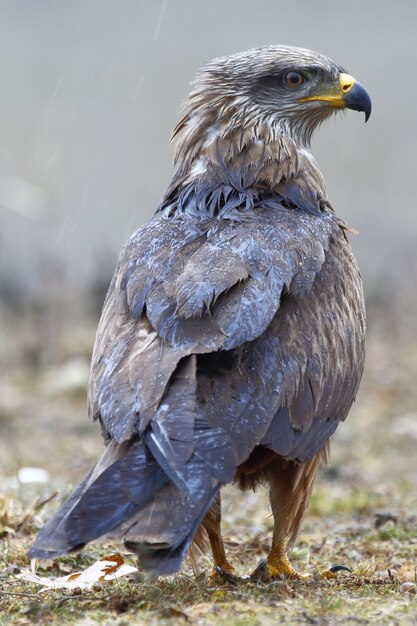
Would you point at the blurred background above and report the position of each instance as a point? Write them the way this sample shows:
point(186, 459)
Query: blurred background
point(89, 93)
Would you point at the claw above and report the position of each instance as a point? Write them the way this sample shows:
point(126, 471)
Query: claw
point(228, 577)
point(332, 571)
point(340, 568)
point(224, 574)
point(258, 573)
point(265, 572)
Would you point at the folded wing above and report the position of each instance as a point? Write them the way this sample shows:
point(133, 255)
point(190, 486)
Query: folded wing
point(196, 362)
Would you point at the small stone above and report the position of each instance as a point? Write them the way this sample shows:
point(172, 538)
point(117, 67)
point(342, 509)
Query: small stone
point(32, 475)
point(384, 517)
point(408, 587)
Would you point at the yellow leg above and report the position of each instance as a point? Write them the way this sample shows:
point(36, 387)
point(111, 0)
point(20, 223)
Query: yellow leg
point(212, 525)
point(277, 566)
point(290, 489)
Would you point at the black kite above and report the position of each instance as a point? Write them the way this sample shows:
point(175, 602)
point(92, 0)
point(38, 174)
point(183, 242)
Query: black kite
point(231, 342)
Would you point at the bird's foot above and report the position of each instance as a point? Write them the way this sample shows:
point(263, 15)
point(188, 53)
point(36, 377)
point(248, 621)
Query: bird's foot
point(223, 573)
point(331, 573)
point(277, 569)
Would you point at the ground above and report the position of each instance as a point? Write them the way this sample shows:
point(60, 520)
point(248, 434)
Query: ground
point(363, 512)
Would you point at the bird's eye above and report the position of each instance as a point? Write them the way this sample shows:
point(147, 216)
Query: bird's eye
point(294, 80)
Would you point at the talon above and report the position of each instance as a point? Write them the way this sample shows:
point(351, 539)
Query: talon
point(331, 573)
point(264, 574)
point(225, 574)
point(282, 569)
point(340, 568)
point(260, 573)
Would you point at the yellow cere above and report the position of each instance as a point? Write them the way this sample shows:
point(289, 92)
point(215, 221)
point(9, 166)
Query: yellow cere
point(335, 96)
point(346, 82)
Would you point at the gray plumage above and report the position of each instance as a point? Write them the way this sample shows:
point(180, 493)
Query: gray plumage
point(235, 318)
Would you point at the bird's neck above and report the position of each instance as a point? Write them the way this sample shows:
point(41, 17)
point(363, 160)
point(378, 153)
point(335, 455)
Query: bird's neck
point(261, 157)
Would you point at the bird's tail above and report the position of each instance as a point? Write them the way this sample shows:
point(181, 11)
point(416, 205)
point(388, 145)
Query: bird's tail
point(162, 532)
point(133, 494)
point(152, 491)
point(121, 483)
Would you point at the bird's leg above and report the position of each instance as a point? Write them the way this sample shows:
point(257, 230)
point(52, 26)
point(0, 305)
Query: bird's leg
point(290, 489)
point(212, 525)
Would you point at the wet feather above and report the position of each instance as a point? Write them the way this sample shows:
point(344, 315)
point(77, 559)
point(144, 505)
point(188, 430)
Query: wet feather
point(231, 342)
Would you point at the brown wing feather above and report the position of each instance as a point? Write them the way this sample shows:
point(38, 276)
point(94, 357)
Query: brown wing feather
point(156, 313)
point(290, 387)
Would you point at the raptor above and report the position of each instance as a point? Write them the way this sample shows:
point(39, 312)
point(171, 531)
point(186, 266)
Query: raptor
point(231, 342)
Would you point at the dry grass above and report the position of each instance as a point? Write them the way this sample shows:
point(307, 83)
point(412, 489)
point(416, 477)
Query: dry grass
point(374, 470)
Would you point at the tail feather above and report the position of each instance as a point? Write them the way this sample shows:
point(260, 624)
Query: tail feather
point(163, 530)
point(120, 484)
point(153, 491)
point(165, 558)
point(52, 539)
point(133, 494)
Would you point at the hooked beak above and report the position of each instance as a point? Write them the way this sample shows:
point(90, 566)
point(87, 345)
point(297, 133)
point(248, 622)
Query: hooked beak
point(357, 98)
point(348, 94)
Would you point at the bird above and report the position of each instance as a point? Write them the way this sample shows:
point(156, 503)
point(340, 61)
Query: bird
point(232, 338)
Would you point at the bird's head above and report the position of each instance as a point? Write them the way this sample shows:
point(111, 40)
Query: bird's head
point(250, 117)
point(285, 89)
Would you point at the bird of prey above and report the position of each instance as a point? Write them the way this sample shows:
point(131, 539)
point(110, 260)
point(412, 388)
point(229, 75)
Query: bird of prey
point(231, 342)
